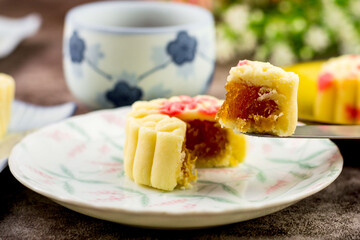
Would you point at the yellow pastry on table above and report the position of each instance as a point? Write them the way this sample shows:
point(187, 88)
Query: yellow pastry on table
point(167, 138)
point(7, 90)
point(308, 73)
point(260, 98)
point(338, 95)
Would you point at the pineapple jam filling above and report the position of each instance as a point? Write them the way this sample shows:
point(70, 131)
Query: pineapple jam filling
point(246, 102)
point(205, 139)
point(188, 171)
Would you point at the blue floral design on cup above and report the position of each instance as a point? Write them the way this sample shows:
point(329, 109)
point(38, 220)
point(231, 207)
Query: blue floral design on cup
point(123, 94)
point(182, 49)
point(77, 48)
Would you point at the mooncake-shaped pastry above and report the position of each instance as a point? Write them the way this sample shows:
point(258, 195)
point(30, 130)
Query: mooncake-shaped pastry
point(167, 138)
point(7, 89)
point(338, 95)
point(260, 98)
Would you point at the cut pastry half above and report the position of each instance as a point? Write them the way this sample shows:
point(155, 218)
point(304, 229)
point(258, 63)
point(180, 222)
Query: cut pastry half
point(260, 98)
point(166, 139)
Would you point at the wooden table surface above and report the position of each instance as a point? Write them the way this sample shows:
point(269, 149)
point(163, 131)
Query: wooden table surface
point(36, 65)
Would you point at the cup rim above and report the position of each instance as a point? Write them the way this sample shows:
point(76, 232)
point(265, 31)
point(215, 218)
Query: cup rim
point(206, 18)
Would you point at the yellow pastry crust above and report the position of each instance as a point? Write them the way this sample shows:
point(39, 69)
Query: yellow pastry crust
point(7, 91)
point(154, 150)
point(338, 95)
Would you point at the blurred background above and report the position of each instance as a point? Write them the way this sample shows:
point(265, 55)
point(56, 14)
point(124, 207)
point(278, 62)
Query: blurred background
point(283, 32)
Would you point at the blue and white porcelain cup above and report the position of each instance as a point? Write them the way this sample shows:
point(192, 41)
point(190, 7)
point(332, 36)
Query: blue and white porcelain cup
point(117, 52)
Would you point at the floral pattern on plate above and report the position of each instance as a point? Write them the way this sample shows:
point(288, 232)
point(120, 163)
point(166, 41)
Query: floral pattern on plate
point(25, 118)
point(78, 163)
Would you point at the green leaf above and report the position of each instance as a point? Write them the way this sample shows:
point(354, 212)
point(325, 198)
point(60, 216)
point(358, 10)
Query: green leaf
point(299, 163)
point(112, 142)
point(313, 155)
point(278, 160)
point(218, 199)
point(260, 200)
point(225, 187)
point(144, 197)
point(78, 129)
point(121, 173)
point(230, 190)
point(144, 200)
point(70, 175)
point(260, 176)
point(309, 184)
point(302, 176)
point(307, 166)
point(117, 159)
point(68, 188)
point(66, 171)
point(91, 181)
point(54, 173)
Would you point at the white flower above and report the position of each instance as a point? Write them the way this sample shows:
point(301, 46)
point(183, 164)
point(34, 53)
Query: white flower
point(229, 47)
point(275, 27)
point(282, 55)
point(225, 50)
point(261, 53)
point(317, 38)
point(298, 25)
point(247, 43)
point(225, 47)
point(256, 16)
point(237, 17)
point(354, 7)
point(340, 23)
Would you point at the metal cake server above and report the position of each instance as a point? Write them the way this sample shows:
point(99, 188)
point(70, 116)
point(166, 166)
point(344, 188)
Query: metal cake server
point(320, 131)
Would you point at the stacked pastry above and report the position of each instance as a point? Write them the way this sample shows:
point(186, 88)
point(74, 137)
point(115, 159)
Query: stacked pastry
point(338, 96)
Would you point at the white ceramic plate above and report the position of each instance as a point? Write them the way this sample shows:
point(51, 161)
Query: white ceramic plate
point(78, 163)
point(25, 118)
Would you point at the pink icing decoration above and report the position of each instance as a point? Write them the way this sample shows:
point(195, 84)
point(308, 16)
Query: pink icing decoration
point(352, 112)
point(242, 62)
point(279, 184)
point(209, 111)
point(186, 103)
point(325, 81)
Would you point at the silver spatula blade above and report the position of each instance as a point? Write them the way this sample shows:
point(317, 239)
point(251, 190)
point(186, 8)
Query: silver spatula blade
point(320, 131)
